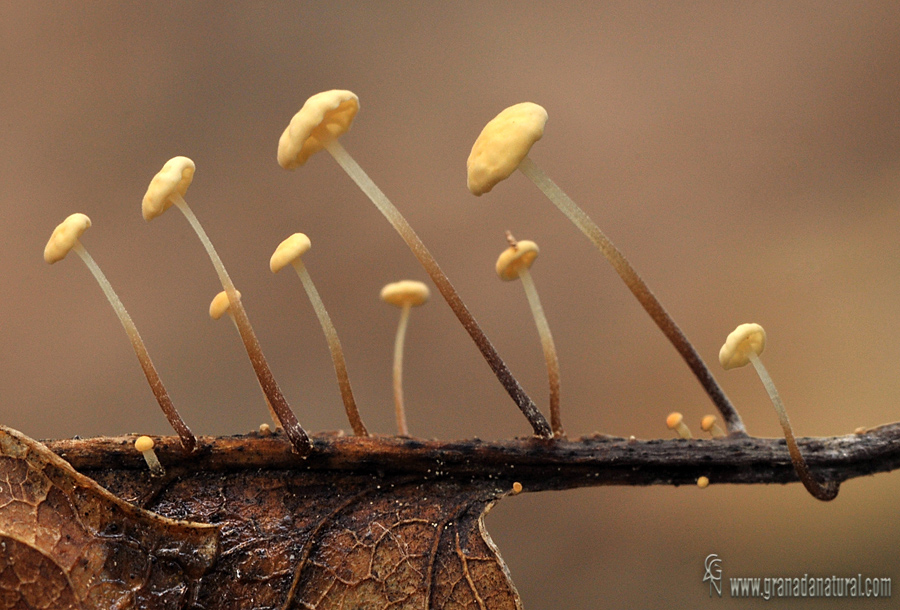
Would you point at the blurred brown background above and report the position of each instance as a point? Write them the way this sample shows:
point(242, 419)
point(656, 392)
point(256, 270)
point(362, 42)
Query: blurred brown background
point(744, 156)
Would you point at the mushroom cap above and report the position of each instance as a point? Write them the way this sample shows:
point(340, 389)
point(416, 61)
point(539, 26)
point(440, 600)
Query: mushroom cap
point(703, 482)
point(288, 251)
point(174, 178)
point(742, 340)
point(405, 292)
point(707, 423)
point(65, 236)
point(502, 145)
point(220, 304)
point(324, 117)
point(515, 258)
point(674, 419)
point(143, 443)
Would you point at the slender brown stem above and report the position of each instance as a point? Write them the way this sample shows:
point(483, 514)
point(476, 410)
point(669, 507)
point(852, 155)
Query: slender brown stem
point(826, 492)
point(334, 345)
point(640, 290)
point(549, 348)
point(516, 392)
point(188, 441)
point(295, 432)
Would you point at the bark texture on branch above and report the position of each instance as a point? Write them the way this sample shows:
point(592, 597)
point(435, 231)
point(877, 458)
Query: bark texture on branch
point(539, 464)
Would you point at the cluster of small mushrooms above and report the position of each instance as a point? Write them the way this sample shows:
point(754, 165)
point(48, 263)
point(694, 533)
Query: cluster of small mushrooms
point(502, 147)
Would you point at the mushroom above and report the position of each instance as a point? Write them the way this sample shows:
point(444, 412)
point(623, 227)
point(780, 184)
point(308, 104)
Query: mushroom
point(322, 119)
point(500, 149)
point(168, 188)
point(404, 294)
point(703, 482)
point(744, 345)
point(65, 237)
point(218, 307)
point(515, 263)
point(290, 251)
point(144, 444)
point(708, 424)
point(675, 421)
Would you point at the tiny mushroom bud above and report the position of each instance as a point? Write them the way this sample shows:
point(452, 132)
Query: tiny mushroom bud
point(743, 346)
point(517, 488)
point(515, 263)
point(168, 188)
point(65, 238)
point(501, 148)
point(144, 444)
point(708, 424)
point(290, 251)
point(675, 421)
point(322, 119)
point(404, 294)
point(703, 482)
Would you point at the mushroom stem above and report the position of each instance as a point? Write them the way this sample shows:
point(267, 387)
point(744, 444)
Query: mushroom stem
point(334, 345)
point(295, 432)
point(512, 386)
point(821, 492)
point(399, 340)
point(640, 290)
point(552, 360)
point(215, 312)
point(188, 441)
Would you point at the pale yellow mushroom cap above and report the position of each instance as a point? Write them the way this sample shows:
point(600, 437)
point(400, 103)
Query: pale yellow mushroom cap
point(324, 117)
point(143, 443)
point(288, 251)
point(502, 145)
point(703, 482)
point(515, 258)
point(64, 237)
point(405, 291)
point(674, 419)
point(707, 422)
point(220, 305)
point(174, 178)
point(742, 340)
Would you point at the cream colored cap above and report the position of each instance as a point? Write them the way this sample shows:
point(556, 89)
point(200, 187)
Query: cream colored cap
point(515, 258)
point(674, 419)
point(405, 292)
point(143, 443)
point(64, 237)
point(288, 251)
point(325, 116)
point(174, 178)
point(742, 340)
point(502, 145)
point(220, 304)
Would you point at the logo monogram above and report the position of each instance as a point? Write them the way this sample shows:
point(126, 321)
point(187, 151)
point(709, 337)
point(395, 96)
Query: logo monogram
point(713, 574)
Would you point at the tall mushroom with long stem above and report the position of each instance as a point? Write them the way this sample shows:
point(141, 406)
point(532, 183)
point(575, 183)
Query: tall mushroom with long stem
point(515, 263)
point(743, 346)
point(168, 188)
point(404, 294)
point(322, 119)
point(502, 148)
point(65, 238)
point(290, 251)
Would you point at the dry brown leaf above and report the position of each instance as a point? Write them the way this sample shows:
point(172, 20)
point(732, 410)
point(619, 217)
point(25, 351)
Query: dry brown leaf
point(65, 542)
point(289, 538)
